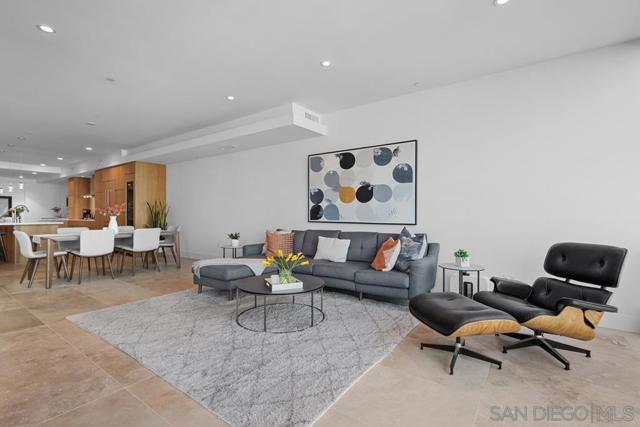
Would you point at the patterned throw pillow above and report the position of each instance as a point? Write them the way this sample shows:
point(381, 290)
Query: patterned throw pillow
point(387, 255)
point(412, 247)
point(279, 240)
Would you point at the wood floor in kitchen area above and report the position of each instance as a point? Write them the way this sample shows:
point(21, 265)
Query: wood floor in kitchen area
point(53, 373)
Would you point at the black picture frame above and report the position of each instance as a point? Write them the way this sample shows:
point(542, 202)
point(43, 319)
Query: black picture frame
point(415, 189)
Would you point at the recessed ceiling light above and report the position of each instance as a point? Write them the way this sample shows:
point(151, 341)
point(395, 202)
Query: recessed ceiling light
point(326, 64)
point(20, 177)
point(88, 148)
point(43, 164)
point(500, 2)
point(46, 28)
point(21, 138)
point(91, 123)
point(60, 158)
point(230, 97)
point(34, 173)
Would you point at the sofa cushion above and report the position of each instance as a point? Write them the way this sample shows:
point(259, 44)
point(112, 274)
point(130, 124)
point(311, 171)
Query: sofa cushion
point(298, 239)
point(382, 237)
point(226, 272)
point(305, 269)
point(390, 279)
point(412, 248)
point(387, 255)
point(363, 245)
point(332, 249)
point(279, 241)
point(310, 243)
point(339, 270)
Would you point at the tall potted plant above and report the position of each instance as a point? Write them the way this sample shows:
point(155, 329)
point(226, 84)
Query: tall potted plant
point(158, 213)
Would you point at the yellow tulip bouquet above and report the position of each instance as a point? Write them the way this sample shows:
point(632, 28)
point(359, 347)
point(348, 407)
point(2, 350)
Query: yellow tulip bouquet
point(285, 264)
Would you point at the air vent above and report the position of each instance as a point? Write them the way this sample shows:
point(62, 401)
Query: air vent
point(311, 117)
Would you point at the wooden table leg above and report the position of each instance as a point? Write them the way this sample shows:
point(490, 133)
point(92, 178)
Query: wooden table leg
point(176, 239)
point(49, 276)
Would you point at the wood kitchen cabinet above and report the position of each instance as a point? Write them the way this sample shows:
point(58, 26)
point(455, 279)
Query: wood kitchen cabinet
point(77, 191)
point(134, 184)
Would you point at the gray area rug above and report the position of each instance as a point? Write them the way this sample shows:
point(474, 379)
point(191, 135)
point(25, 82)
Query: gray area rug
point(253, 378)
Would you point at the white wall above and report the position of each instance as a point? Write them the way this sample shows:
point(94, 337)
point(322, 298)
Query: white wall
point(38, 197)
point(508, 164)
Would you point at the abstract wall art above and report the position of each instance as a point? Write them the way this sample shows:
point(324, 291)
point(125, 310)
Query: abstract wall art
point(368, 185)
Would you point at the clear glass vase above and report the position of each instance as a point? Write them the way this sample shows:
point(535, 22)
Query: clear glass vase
point(286, 276)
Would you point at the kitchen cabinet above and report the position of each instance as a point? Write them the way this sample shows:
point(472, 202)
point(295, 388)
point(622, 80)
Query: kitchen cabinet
point(77, 191)
point(133, 184)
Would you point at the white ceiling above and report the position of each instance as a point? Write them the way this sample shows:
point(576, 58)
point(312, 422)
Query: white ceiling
point(174, 62)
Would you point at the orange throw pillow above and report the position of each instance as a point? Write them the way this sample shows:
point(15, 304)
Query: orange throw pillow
point(277, 240)
point(387, 255)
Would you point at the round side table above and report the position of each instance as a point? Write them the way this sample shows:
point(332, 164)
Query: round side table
point(233, 249)
point(462, 271)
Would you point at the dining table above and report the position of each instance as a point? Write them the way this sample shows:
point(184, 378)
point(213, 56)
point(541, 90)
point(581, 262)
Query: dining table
point(50, 243)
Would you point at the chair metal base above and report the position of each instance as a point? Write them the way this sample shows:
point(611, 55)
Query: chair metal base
point(459, 348)
point(550, 346)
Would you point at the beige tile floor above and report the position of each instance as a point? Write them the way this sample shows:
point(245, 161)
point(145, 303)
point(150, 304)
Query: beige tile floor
point(54, 374)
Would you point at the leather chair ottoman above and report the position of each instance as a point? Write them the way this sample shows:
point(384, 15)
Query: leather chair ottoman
point(454, 315)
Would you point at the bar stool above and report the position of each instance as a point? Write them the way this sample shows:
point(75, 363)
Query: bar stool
point(3, 249)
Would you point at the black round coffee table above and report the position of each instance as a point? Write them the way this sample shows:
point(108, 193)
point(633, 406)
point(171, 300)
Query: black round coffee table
point(257, 286)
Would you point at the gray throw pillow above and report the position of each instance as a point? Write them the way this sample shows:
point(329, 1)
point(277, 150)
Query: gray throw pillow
point(411, 248)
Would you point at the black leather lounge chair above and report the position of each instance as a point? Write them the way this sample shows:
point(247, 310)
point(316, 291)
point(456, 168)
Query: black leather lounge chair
point(561, 307)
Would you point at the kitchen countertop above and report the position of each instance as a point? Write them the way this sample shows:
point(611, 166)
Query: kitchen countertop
point(6, 224)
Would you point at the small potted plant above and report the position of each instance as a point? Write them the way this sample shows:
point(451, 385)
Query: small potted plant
point(235, 239)
point(462, 258)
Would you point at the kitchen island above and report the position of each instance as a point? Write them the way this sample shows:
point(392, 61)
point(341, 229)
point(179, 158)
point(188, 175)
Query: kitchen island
point(11, 244)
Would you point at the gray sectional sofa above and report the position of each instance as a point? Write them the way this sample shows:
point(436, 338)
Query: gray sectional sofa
point(355, 275)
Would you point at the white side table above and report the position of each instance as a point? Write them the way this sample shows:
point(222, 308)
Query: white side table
point(462, 271)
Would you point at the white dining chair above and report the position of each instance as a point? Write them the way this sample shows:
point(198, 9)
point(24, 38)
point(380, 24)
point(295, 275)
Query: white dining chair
point(34, 257)
point(127, 241)
point(145, 241)
point(93, 244)
point(170, 242)
point(69, 246)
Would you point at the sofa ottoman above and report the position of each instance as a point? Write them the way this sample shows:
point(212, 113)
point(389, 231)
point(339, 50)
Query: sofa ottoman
point(454, 315)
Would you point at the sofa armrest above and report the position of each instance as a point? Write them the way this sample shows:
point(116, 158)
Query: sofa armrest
point(422, 272)
point(515, 288)
point(252, 249)
point(585, 305)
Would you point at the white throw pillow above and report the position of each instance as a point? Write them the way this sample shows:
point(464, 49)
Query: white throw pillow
point(332, 249)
